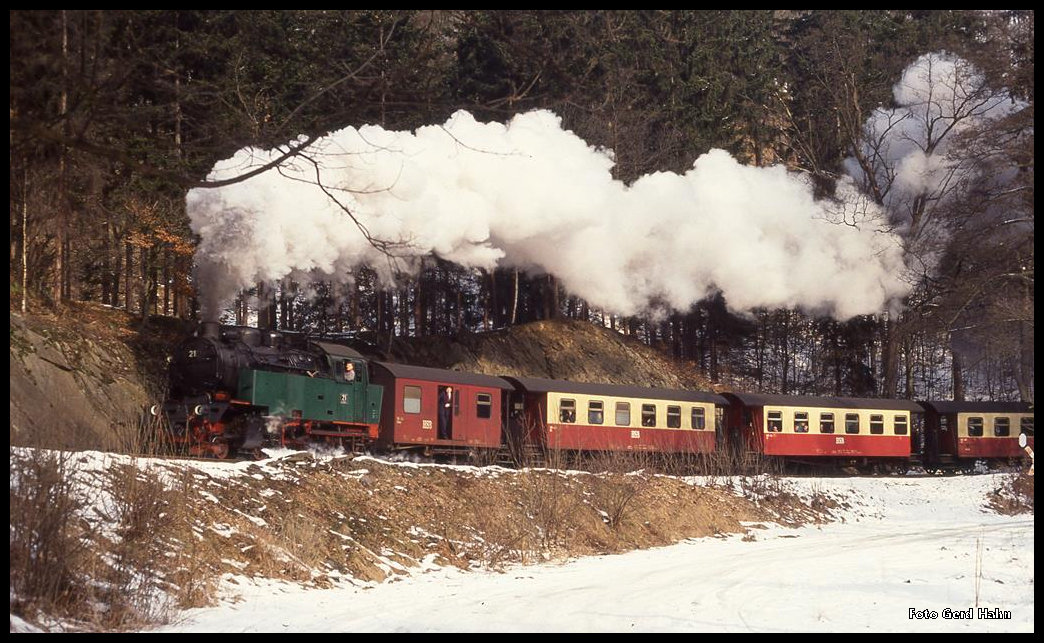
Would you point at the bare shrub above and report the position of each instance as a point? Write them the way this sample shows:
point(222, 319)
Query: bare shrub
point(685, 463)
point(547, 499)
point(139, 511)
point(503, 535)
point(619, 478)
point(189, 578)
point(106, 570)
point(1014, 495)
point(49, 543)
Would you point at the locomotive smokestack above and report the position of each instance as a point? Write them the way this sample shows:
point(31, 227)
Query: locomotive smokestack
point(210, 330)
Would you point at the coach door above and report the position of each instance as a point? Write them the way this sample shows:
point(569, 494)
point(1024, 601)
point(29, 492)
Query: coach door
point(946, 436)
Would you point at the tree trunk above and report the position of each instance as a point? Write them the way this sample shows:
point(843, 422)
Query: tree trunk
point(494, 301)
point(354, 307)
point(956, 368)
point(909, 369)
point(514, 300)
point(143, 283)
point(419, 301)
point(405, 311)
point(264, 309)
point(460, 312)
point(117, 268)
point(889, 354)
point(128, 277)
point(283, 300)
point(25, 239)
point(166, 281)
point(60, 217)
point(1024, 373)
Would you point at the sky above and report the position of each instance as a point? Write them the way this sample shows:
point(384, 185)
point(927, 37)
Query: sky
point(926, 544)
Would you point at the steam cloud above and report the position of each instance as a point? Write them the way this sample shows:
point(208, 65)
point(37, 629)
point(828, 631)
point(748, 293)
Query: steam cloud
point(530, 195)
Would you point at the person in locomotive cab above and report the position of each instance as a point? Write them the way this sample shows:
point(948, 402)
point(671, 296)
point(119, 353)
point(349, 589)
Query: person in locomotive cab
point(445, 412)
point(349, 372)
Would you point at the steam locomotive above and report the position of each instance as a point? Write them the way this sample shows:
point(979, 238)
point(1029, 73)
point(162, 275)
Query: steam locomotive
point(234, 390)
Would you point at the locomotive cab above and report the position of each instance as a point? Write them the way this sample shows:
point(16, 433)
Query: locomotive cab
point(343, 364)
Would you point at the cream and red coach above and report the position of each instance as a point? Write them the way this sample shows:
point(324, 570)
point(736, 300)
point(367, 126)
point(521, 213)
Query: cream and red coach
point(410, 412)
point(822, 427)
point(580, 416)
point(967, 431)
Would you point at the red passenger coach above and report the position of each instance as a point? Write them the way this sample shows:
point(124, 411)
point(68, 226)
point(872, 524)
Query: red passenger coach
point(438, 411)
point(579, 416)
point(821, 427)
point(958, 433)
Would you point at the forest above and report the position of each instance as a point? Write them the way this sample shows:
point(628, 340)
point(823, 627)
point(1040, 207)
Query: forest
point(916, 125)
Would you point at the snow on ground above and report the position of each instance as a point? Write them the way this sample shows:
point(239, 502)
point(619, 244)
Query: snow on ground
point(911, 554)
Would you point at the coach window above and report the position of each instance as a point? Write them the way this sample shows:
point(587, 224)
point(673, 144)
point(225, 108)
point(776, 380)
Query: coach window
point(567, 411)
point(877, 424)
point(1001, 426)
point(623, 414)
point(594, 412)
point(1026, 425)
point(975, 427)
point(648, 415)
point(826, 422)
point(699, 420)
point(484, 405)
point(901, 427)
point(801, 422)
point(673, 417)
point(775, 421)
point(851, 423)
point(411, 399)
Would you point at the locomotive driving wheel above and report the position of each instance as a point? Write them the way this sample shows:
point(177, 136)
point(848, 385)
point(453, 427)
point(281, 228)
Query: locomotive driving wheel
point(220, 449)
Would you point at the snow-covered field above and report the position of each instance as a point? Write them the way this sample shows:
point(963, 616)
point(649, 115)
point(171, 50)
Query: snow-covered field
point(909, 555)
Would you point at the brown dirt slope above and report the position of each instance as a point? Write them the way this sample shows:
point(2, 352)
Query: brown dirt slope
point(556, 349)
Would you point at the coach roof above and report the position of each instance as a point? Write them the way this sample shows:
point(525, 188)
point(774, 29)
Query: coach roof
point(405, 371)
point(541, 385)
point(979, 407)
point(882, 404)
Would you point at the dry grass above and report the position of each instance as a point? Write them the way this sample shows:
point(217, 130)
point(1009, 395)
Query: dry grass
point(48, 542)
point(1014, 496)
point(88, 546)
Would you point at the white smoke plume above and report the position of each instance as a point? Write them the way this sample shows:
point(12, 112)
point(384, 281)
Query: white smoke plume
point(531, 195)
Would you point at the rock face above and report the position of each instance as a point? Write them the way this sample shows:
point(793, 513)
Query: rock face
point(77, 381)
